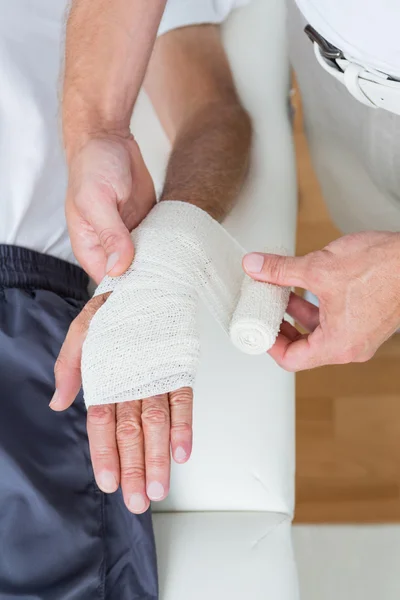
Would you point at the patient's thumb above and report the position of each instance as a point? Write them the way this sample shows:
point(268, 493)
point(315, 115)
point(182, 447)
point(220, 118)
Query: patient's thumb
point(272, 268)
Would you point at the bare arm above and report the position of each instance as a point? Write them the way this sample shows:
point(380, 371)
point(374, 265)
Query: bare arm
point(190, 84)
point(108, 46)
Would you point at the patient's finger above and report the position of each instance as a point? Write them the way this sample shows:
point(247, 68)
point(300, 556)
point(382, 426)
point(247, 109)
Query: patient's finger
point(67, 369)
point(156, 429)
point(131, 454)
point(103, 446)
point(181, 407)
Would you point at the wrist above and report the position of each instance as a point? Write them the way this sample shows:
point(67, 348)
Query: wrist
point(108, 46)
point(78, 135)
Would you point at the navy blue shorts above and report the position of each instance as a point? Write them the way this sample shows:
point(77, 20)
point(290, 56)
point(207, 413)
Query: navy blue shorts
point(61, 538)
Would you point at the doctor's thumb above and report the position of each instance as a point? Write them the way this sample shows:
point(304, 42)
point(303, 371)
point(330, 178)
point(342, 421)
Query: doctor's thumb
point(280, 270)
point(115, 239)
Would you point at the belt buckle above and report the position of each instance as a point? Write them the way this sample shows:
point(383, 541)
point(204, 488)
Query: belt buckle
point(328, 50)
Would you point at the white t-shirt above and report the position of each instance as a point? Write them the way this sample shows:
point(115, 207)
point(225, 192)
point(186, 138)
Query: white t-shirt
point(367, 31)
point(33, 176)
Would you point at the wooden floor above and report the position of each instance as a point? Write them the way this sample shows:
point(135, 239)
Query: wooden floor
point(348, 417)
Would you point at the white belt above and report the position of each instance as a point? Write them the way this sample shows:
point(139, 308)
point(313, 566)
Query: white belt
point(370, 87)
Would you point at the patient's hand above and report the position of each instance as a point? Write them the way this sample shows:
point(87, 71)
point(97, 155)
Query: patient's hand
point(130, 441)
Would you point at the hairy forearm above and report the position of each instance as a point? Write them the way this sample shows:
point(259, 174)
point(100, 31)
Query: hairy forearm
point(210, 157)
point(108, 46)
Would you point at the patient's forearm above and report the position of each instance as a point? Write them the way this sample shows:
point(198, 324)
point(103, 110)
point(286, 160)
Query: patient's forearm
point(108, 46)
point(210, 157)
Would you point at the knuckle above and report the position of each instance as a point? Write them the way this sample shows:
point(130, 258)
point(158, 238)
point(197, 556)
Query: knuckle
point(101, 415)
point(297, 364)
point(316, 265)
point(182, 399)
point(101, 453)
point(157, 462)
point(108, 238)
point(155, 416)
point(276, 267)
point(132, 472)
point(128, 431)
point(318, 257)
point(182, 428)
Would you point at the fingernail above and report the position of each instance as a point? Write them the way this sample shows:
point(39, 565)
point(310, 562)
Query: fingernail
point(54, 399)
point(180, 454)
point(253, 263)
point(107, 481)
point(112, 261)
point(155, 490)
point(137, 503)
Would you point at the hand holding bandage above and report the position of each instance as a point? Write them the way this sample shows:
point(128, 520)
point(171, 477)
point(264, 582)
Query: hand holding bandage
point(141, 352)
point(144, 339)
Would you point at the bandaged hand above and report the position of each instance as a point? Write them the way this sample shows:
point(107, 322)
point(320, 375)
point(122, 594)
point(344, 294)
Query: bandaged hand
point(144, 340)
point(130, 442)
point(143, 343)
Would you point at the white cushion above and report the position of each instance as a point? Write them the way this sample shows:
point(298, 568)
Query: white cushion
point(225, 556)
point(243, 455)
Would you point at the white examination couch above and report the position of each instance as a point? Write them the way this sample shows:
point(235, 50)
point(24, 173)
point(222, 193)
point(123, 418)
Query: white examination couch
point(224, 533)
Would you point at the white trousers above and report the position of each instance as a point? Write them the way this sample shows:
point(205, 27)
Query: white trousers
point(355, 149)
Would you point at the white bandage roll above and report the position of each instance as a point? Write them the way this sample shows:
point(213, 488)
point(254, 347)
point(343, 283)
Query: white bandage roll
point(144, 341)
point(257, 318)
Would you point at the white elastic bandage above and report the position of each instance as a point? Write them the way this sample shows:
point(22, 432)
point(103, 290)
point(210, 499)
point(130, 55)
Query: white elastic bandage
point(143, 341)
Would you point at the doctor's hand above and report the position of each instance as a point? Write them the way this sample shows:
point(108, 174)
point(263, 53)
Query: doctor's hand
point(130, 442)
point(357, 281)
point(109, 192)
